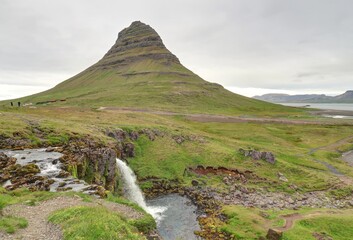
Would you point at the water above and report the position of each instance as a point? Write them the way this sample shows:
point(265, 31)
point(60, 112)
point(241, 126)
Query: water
point(334, 107)
point(328, 106)
point(133, 192)
point(175, 215)
point(179, 218)
point(49, 166)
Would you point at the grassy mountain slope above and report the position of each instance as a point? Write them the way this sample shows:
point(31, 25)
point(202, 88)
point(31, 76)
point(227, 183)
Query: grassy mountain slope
point(139, 71)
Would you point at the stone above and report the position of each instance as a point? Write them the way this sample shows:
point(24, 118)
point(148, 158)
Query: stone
point(129, 150)
point(178, 139)
point(50, 149)
point(6, 161)
point(257, 155)
point(274, 234)
point(268, 157)
point(281, 177)
point(194, 182)
point(134, 135)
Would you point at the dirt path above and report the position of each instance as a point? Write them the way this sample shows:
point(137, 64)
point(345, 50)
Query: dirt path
point(229, 119)
point(291, 218)
point(40, 229)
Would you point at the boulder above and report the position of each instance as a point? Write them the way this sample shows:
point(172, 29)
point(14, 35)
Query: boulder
point(274, 234)
point(6, 161)
point(257, 155)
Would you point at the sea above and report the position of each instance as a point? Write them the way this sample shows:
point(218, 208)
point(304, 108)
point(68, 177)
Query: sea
point(326, 106)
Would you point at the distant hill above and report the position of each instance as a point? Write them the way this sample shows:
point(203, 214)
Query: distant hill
point(139, 71)
point(346, 97)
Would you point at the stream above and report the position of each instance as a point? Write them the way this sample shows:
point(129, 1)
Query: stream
point(50, 166)
point(175, 215)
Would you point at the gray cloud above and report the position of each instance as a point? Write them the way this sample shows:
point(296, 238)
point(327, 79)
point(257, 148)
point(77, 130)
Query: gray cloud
point(298, 45)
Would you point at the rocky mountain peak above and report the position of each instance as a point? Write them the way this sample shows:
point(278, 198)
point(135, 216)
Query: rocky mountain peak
point(135, 43)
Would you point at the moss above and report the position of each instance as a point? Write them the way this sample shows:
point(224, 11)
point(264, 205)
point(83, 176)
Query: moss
point(73, 170)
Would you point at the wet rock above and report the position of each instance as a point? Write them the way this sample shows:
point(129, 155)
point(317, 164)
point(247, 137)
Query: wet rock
point(62, 184)
point(50, 149)
point(274, 234)
point(63, 174)
point(6, 161)
point(92, 161)
point(63, 189)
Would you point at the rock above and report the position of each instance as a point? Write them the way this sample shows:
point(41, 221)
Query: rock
point(149, 133)
point(274, 234)
point(129, 150)
point(179, 139)
point(55, 161)
point(118, 134)
point(62, 184)
point(134, 135)
point(6, 161)
point(281, 177)
point(63, 174)
point(50, 149)
point(194, 183)
point(257, 155)
point(268, 157)
point(322, 236)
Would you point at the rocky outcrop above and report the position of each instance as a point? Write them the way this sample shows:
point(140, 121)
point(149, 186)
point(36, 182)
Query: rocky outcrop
point(230, 175)
point(257, 155)
point(136, 43)
point(91, 161)
point(274, 234)
point(22, 176)
point(16, 142)
point(6, 161)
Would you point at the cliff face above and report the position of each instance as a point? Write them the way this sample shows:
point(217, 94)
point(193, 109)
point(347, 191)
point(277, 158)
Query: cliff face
point(136, 43)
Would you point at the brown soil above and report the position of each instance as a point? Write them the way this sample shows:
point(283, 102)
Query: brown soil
point(40, 229)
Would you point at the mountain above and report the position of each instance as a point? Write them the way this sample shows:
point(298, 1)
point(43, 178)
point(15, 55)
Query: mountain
point(139, 71)
point(346, 97)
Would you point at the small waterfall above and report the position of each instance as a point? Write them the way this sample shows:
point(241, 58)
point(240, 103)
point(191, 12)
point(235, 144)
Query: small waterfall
point(134, 193)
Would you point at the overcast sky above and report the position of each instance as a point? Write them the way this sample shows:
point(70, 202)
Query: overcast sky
point(248, 46)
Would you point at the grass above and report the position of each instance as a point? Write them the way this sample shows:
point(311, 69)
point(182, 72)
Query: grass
point(93, 223)
point(10, 224)
point(252, 223)
point(337, 227)
point(216, 145)
point(244, 223)
point(103, 224)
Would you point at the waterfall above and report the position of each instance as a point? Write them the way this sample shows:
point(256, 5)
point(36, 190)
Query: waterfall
point(134, 193)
